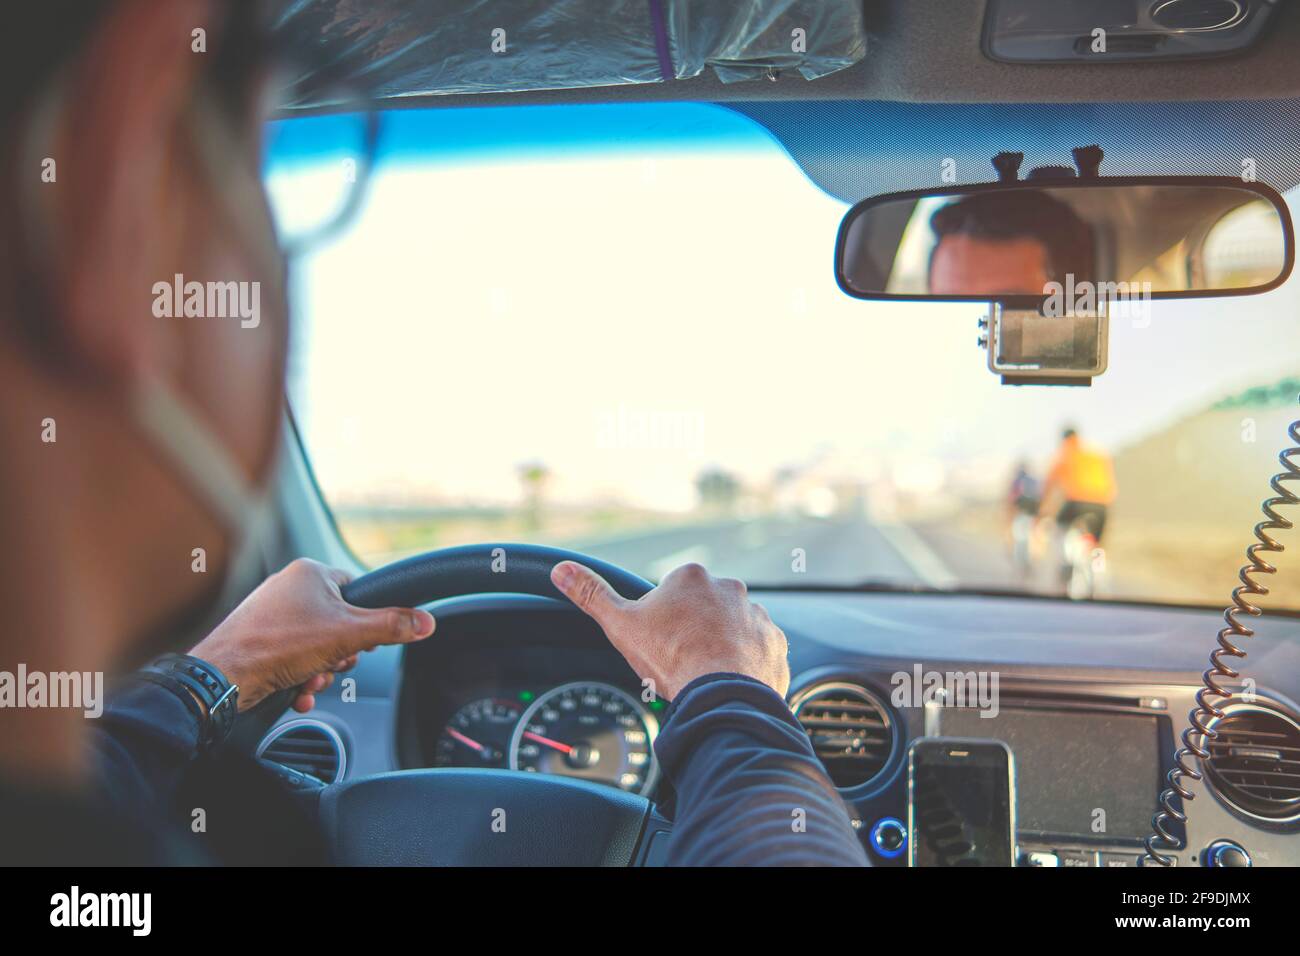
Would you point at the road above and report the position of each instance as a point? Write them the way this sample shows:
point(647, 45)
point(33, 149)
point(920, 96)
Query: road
point(837, 550)
point(840, 550)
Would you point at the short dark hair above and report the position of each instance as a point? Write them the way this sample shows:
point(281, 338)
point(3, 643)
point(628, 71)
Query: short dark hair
point(42, 35)
point(1023, 213)
point(37, 40)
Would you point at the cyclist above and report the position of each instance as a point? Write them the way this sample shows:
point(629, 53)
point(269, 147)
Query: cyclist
point(1082, 478)
point(1022, 502)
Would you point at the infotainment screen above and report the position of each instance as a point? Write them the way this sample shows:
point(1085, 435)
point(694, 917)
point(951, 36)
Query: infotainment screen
point(1090, 775)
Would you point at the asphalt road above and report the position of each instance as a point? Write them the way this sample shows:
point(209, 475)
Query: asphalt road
point(837, 550)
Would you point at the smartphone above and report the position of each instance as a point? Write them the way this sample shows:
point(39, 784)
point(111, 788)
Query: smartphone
point(961, 803)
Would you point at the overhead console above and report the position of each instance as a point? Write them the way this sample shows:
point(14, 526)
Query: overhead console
point(1030, 31)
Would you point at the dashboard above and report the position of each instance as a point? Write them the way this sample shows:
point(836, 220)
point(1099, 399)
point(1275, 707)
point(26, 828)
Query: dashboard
point(1090, 698)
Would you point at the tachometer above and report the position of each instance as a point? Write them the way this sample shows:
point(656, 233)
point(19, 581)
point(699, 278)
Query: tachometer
point(478, 734)
point(588, 730)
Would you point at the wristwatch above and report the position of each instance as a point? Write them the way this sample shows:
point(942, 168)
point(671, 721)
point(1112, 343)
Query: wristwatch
point(204, 689)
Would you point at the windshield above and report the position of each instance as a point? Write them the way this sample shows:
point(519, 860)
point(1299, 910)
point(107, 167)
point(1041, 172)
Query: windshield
point(617, 329)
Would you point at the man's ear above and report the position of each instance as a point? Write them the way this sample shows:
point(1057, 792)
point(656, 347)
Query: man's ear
point(118, 211)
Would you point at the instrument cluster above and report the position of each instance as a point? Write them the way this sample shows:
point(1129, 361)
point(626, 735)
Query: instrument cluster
point(586, 729)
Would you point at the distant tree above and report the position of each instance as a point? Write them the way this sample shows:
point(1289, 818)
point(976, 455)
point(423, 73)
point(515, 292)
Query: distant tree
point(718, 489)
point(534, 476)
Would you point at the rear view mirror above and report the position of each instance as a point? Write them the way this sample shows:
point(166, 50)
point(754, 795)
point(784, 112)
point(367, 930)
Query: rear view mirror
point(1026, 244)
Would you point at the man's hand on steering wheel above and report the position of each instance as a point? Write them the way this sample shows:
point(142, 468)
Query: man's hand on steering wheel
point(692, 624)
point(295, 630)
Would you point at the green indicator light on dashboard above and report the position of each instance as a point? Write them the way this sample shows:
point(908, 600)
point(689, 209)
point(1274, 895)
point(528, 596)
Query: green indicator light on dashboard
point(526, 696)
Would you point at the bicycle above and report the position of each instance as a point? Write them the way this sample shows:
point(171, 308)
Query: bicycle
point(1084, 569)
point(1023, 527)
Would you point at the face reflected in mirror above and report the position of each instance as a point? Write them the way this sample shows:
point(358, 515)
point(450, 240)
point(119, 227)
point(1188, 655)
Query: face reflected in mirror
point(987, 245)
point(1024, 239)
point(972, 264)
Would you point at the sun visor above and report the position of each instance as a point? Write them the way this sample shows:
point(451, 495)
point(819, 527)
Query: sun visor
point(393, 48)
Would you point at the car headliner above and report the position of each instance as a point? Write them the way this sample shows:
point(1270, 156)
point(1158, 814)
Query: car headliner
point(929, 51)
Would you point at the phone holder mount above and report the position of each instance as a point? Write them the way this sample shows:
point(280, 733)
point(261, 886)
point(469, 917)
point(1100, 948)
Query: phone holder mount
point(1027, 347)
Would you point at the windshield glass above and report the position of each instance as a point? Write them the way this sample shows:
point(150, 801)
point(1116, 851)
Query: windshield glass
point(617, 329)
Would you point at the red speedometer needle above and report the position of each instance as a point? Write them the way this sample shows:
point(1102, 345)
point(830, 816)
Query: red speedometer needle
point(547, 742)
point(472, 744)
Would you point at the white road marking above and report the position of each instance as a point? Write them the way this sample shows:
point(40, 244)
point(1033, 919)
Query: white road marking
point(928, 566)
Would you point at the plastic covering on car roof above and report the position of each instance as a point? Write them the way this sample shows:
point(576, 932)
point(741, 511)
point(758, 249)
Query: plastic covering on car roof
point(855, 149)
point(394, 48)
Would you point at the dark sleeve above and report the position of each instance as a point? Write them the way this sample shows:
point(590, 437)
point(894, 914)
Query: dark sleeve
point(143, 742)
point(750, 790)
point(145, 747)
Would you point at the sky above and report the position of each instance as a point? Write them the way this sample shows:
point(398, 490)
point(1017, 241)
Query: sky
point(630, 314)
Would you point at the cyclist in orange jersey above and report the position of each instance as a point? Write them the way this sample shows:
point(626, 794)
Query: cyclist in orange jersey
point(1082, 479)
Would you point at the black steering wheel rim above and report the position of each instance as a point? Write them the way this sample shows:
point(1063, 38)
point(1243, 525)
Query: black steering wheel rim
point(500, 568)
point(449, 817)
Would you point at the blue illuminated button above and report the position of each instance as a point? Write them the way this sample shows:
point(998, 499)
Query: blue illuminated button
point(1226, 853)
point(889, 837)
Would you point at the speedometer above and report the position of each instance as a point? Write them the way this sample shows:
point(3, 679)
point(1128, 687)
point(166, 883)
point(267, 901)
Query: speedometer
point(478, 734)
point(588, 730)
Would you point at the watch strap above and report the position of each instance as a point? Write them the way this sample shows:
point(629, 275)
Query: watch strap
point(214, 699)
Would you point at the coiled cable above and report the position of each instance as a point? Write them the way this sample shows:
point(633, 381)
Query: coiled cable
point(1213, 694)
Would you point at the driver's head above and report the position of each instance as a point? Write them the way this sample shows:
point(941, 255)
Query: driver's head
point(1007, 243)
point(128, 163)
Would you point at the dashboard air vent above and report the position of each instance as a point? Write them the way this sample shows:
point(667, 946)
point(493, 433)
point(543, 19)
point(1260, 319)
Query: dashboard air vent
point(1254, 762)
point(308, 746)
point(850, 729)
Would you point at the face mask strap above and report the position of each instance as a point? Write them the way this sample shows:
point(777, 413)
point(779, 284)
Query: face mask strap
point(249, 515)
point(175, 428)
point(171, 421)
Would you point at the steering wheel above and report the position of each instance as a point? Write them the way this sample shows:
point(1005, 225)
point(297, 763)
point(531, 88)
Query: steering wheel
point(460, 817)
